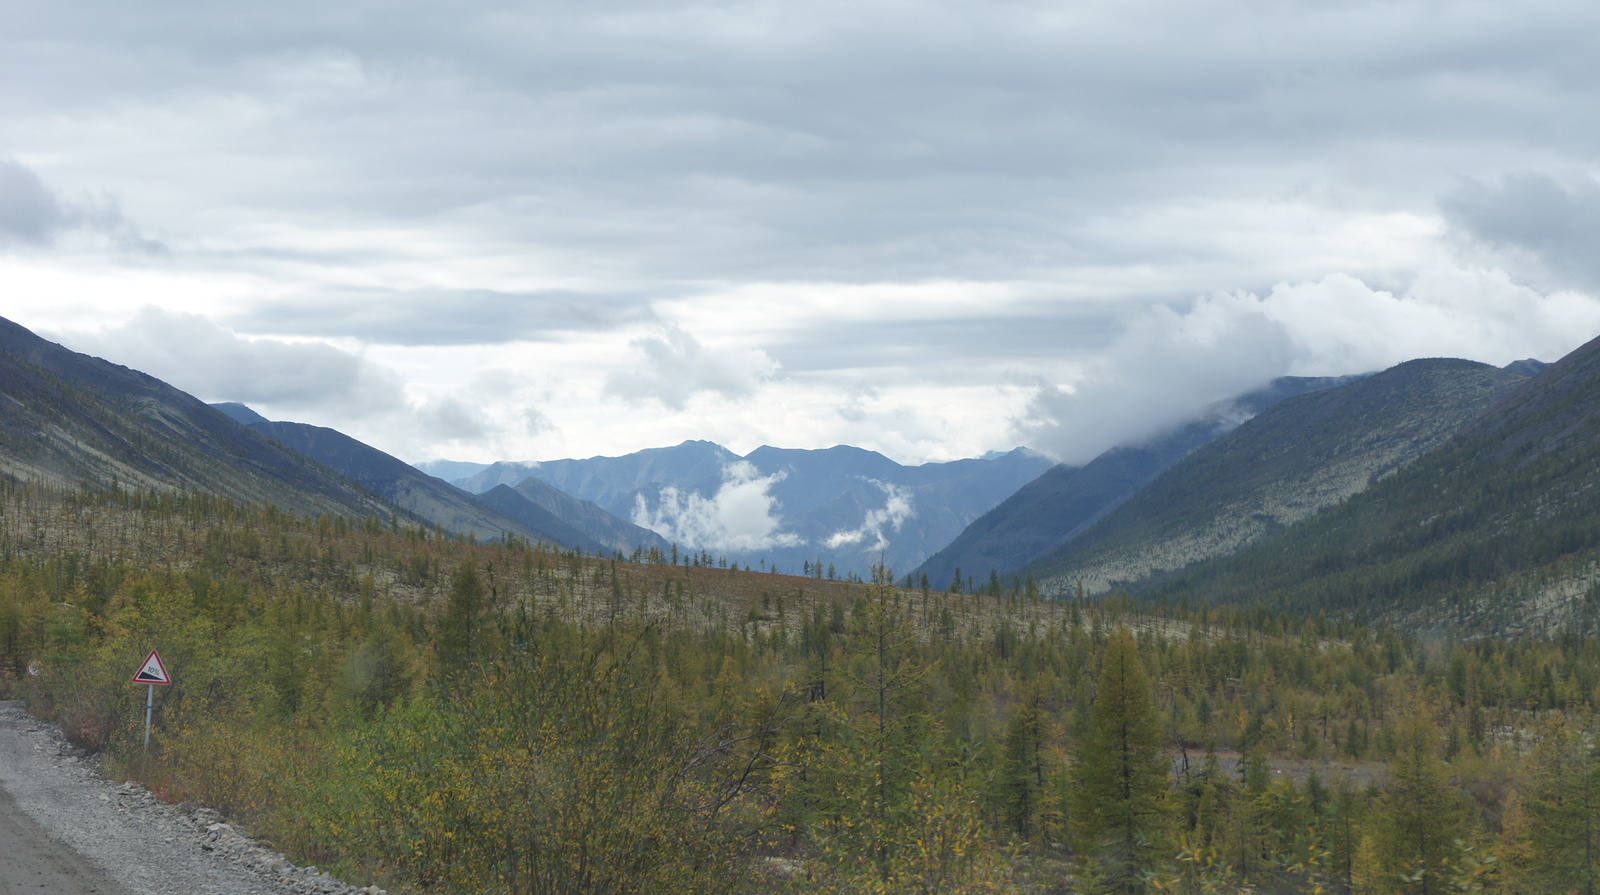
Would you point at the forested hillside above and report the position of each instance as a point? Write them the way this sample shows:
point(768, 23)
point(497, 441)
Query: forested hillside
point(434, 714)
point(1290, 462)
point(1497, 531)
point(1047, 513)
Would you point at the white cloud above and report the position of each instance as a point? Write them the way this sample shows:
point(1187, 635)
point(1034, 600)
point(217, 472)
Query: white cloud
point(942, 200)
point(1171, 363)
point(673, 366)
point(1544, 222)
point(872, 534)
point(214, 364)
point(1341, 325)
point(741, 516)
point(33, 213)
point(1162, 370)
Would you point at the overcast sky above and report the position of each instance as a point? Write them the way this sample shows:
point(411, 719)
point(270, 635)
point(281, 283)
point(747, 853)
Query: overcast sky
point(492, 230)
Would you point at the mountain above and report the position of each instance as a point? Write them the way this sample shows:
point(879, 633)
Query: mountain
point(398, 482)
point(1496, 531)
point(1067, 500)
point(240, 413)
point(507, 502)
point(451, 470)
point(1527, 367)
point(844, 507)
point(1292, 461)
point(612, 482)
point(72, 420)
point(535, 510)
point(586, 517)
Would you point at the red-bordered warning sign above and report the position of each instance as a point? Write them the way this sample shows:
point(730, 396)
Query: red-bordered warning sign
point(152, 671)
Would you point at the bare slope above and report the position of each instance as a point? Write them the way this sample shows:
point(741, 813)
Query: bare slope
point(70, 419)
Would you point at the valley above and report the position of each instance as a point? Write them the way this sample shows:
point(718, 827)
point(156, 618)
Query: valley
point(1346, 643)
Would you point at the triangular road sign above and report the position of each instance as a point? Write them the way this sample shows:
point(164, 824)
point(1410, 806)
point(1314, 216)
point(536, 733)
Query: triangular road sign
point(152, 671)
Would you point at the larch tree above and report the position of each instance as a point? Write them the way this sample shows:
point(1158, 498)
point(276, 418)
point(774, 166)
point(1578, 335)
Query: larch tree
point(1564, 812)
point(1120, 814)
point(1422, 819)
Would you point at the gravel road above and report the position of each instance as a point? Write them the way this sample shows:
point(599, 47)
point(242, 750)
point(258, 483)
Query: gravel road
point(65, 829)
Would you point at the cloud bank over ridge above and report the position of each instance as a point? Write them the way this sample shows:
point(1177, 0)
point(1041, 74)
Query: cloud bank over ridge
point(570, 229)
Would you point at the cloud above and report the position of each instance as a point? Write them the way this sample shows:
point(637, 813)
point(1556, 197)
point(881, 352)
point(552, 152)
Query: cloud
point(1169, 363)
point(200, 357)
point(742, 516)
point(29, 212)
point(856, 142)
point(1554, 223)
point(572, 174)
point(435, 316)
point(451, 419)
point(673, 367)
point(34, 214)
point(871, 535)
point(535, 422)
point(1166, 366)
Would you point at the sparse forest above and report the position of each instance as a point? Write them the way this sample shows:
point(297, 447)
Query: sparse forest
point(431, 714)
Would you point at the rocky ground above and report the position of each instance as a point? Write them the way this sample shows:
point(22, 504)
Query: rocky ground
point(67, 830)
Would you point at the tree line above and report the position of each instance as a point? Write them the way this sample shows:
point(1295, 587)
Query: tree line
point(424, 712)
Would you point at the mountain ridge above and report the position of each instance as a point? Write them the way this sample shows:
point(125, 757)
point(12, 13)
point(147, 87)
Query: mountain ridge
point(1294, 459)
point(1066, 500)
point(1495, 531)
point(79, 421)
point(842, 506)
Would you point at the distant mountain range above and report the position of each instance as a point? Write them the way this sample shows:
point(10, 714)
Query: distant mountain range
point(1437, 492)
point(843, 508)
point(544, 515)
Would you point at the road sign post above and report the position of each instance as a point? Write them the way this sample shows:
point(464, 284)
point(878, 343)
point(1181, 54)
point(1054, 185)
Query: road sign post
point(152, 672)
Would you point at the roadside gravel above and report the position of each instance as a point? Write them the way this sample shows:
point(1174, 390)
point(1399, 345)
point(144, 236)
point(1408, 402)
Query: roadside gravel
point(119, 839)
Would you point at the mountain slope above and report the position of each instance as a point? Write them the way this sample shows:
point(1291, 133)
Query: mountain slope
point(612, 482)
point(70, 419)
point(587, 517)
point(1066, 500)
point(842, 506)
point(507, 502)
point(853, 507)
point(1293, 460)
point(405, 486)
point(1498, 529)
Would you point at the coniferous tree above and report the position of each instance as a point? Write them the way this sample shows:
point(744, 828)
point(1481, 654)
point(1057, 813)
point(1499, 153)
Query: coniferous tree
point(461, 629)
point(1120, 812)
point(1422, 819)
point(1564, 813)
point(1021, 779)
